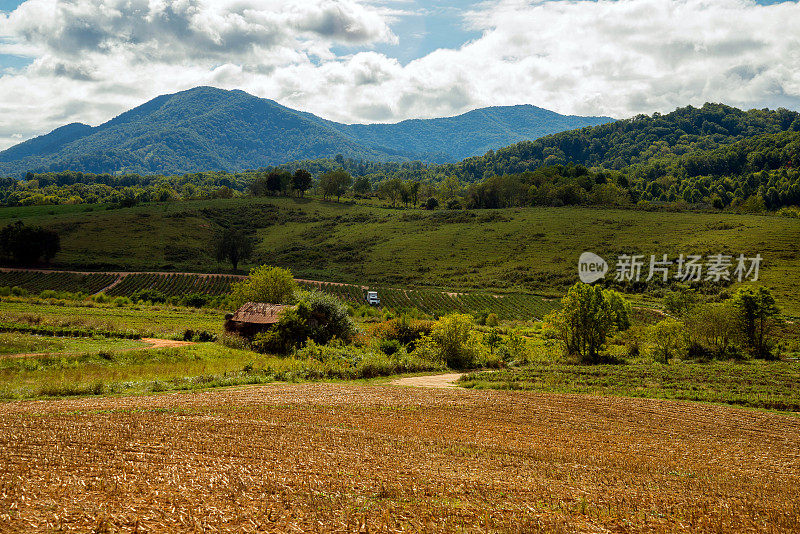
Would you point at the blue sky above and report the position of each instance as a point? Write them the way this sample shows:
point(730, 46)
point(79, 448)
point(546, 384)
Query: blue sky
point(388, 60)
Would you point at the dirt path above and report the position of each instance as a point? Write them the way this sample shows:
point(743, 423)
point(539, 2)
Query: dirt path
point(429, 381)
point(154, 344)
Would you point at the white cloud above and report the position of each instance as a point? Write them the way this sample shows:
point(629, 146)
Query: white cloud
point(94, 59)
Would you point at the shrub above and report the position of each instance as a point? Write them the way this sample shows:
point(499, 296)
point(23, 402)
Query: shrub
point(454, 204)
point(320, 317)
point(681, 302)
point(121, 301)
point(195, 300)
point(403, 330)
point(19, 291)
point(149, 295)
point(101, 298)
point(431, 204)
point(456, 346)
point(234, 341)
point(492, 320)
point(389, 346)
point(699, 352)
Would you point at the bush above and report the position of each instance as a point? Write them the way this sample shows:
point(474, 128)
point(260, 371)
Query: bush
point(454, 204)
point(389, 346)
point(19, 291)
point(101, 298)
point(403, 330)
point(431, 204)
point(320, 317)
point(195, 300)
point(492, 320)
point(681, 302)
point(699, 352)
point(149, 295)
point(453, 339)
point(121, 301)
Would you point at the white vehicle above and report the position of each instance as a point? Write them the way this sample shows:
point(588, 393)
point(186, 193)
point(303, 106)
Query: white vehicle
point(372, 298)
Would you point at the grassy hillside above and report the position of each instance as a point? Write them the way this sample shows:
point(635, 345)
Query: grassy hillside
point(520, 249)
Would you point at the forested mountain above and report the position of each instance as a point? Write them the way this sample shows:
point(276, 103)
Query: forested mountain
point(207, 129)
point(444, 140)
point(640, 141)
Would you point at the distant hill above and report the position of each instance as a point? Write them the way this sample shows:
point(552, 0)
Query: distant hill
point(682, 141)
point(212, 129)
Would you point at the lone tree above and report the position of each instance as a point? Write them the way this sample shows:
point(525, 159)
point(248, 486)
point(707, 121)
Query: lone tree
point(301, 181)
point(335, 183)
point(265, 284)
point(234, 246)
point(278, 181)
point(26, 245)
point(756, 313)
point(587, 317)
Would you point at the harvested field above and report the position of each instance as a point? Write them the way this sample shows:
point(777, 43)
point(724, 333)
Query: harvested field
point(332, 457)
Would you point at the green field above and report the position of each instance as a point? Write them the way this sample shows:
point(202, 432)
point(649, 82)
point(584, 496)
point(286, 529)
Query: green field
point(512, 250)
point(757, 384)
point(148, 321)
point(17, 343)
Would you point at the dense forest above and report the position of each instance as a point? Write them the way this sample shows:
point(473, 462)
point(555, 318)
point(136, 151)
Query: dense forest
point(715, 156)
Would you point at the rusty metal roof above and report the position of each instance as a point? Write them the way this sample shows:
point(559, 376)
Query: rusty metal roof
point(260, 313)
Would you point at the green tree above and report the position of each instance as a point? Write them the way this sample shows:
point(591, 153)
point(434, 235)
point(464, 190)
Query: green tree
point(271, 285)
point(668, 338)
point(301, 181)
point(234, 246)
point(26, 245)
point(278, 181)
point(713, 326)
point(584, 322)
point(362, 186)
point(620, 309)
point(756, 313)
point(335, 183)
point(391, 189)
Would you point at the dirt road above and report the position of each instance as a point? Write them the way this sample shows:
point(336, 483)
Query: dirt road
point(429, 381)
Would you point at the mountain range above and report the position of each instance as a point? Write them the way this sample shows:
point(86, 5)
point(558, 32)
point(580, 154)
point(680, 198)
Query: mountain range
point(206, 129)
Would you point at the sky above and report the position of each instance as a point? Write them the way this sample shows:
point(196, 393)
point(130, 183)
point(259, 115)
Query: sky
point(363, 61)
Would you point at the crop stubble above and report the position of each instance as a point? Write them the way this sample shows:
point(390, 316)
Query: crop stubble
point(332, 457)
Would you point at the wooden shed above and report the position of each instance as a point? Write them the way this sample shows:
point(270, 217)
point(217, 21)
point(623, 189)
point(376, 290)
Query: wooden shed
point(254, 317)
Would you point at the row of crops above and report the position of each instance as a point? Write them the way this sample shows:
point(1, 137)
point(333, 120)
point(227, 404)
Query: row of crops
point(429, 301)
point(172, 285)
point(433, 302)
point(36, 282)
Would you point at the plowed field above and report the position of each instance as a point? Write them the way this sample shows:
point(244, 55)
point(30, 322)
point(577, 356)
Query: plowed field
point(348, 458)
